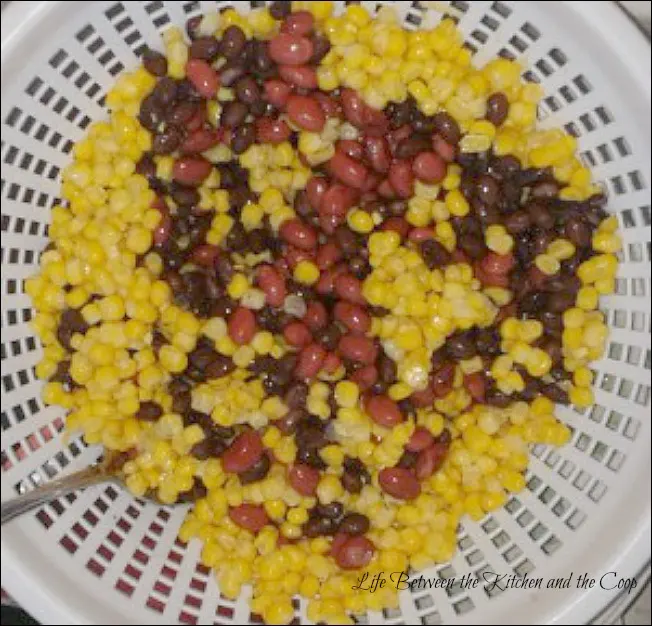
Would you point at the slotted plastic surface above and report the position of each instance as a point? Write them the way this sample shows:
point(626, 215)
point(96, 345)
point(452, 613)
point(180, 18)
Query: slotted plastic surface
point(102, 557)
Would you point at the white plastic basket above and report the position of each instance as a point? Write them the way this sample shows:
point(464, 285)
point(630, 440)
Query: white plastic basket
point(102, 557)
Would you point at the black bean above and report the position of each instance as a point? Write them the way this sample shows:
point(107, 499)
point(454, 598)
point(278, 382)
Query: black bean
point(206, 48)
point(447, 128)
point(167, 141)
point(310, 437)
point(181, 402)
point(149, 411)
point(165, 91)
point(310, 456)
point(256, 472)
point(224, 269)
point(552, 323)
point(288, 423)
point(196, 492)
point(461, 346)
point(247, 90)
point(413, 145)
point(422, 123)
point(487, 190)
point(243, 137)
point(236, 240)
point(219, 367)
point(553, 348)
point(434, 254)
point(233, 42)
point(533, 302)
point(555, 393)
point(318, 526)
point(487, 342)
point(329, 336)
point(486, 213)
point(497, 398)
point(146, 166)
point(578, 232)
point(70, 322)
point(347, 241)
point(505, 166)
point(560, 301)
point(408, 460)
point(261, 62)
point(234, 114)
point(209, 447)
point(333, 510)
point(184, 196)
point(192, 26)
point(181, 113)
point(280, 10)
point(540, 241)
point(354, 524)
point(359, 267)
point(397, 207)
point(386, 369)
point(151, 113)
point(155, 62)
point(545, 190)
point(473, 245)
point(517, 222)
point(497, 108)
point(321, 47)
point(563, 282)
point(296, 395)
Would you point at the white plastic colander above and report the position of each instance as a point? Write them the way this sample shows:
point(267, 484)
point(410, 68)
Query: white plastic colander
point(102, 557)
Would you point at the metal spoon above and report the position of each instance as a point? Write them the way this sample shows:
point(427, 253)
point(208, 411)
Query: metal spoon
point(105, 471)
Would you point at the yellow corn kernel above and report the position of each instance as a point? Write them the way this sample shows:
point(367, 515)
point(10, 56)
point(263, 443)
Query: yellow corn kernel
point(456, 203)
point(346, 394)
point(238, 286)
point(360, 221)
point(547, 264)
point(587, 298)
point(306, 272)
point(172, 359)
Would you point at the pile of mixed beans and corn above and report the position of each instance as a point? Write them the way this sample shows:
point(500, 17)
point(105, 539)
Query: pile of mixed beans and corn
point(324, 278)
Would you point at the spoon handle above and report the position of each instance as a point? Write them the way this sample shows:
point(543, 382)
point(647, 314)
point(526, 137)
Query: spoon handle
point(52, 490)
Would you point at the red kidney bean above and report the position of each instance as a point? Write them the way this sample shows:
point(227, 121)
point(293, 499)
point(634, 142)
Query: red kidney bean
point(251, 517)
point(399, 483)
point(488, 279)
point(383, 410)
point(327, 255)
point(329, 223)
point(444, 149)
point(385, 189)
point(420, 439)
point(362, 115)
point(401, 178)
point(429, 167)
point(201, 140)
point(296, 255)
point(244, 452)
point(298, 23)
point(163, 228)
point(242, 325)
point(298, 234)
point(205, 255)
point(354, 317)
point(421, 233)
point(191, 170)
point(315, 189)
point(273, 131)
point(348, 170)
point(310, 361)
point(306, 113)
point(297, 334)
point(424, 397)
point(355, 552)
point(365, 377)
point(351, 148)
point(349, 288)
point(476, 385)
point(324, 285)
point(395, 137)
point(302, 76)
point(398, 225)
point(338, 542)
point(498, 263)
point(303, 479)
point(203, 77)
point(197, 120)
point(330, 106)
point(370, 185)
point(442, 380)
point(273, 284)
point(430, 460)
point(377, 153)
point(358, 348)
point(287, 49)
point(316, 316)
point(277, 92)
point(331, 363)
point(337, 200)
